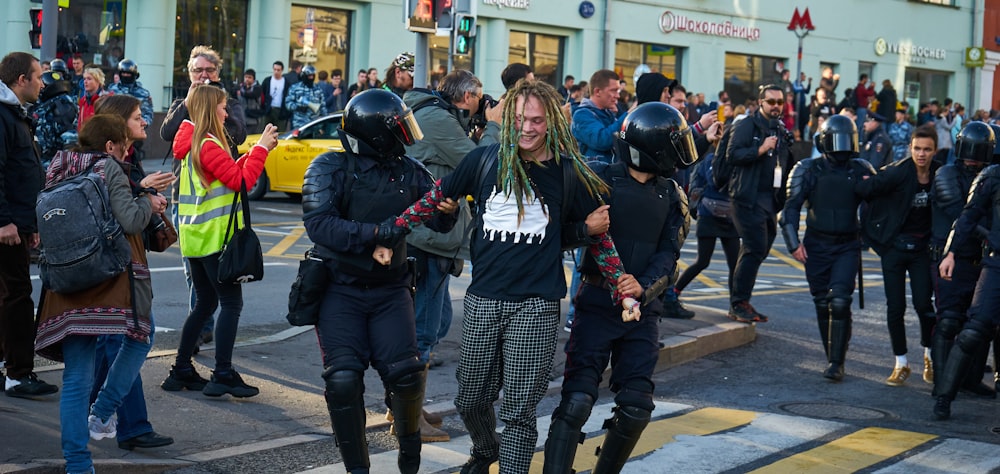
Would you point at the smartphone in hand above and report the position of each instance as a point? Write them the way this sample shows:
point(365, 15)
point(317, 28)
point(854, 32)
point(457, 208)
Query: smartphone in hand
point(721, 111)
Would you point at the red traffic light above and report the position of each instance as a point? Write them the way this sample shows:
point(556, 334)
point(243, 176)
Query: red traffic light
point(35, 16)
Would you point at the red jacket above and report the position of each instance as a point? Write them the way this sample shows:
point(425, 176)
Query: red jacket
point(864, 95)
point(218, 164)
point(87, 106)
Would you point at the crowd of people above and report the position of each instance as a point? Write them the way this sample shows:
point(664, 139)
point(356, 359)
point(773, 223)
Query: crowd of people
point(611, 177)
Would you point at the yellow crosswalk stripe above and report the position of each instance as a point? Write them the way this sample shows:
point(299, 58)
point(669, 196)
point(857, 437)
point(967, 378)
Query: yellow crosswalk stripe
point(286, 242)
point(658, 433)
point(850, 453)
point(701, 276)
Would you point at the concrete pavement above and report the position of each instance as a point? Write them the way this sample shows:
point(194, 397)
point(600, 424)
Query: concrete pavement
point(290, 409)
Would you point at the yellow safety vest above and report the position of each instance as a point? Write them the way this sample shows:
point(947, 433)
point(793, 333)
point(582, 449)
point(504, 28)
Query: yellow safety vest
point(202, 213)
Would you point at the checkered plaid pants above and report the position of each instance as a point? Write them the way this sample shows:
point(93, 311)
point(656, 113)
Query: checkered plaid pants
point(509, 345)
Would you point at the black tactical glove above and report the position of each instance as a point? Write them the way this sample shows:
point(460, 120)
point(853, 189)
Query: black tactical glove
point(388, 235)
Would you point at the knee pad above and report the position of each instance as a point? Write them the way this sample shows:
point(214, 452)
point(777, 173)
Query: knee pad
point(822, 303)
point(636, 394)
point(948, 327)
point(405, 377)
point(972, 338)
point(575, 409)
point(840, 307)
point(343, 387)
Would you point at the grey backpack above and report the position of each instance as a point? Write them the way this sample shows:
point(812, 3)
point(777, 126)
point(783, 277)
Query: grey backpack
point(82, 244)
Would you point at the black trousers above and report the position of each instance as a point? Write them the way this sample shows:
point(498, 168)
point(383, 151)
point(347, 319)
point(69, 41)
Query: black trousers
point(757, 227)
point(896, 265)
point(832, 266)
point(17, 319)
point(954, 296)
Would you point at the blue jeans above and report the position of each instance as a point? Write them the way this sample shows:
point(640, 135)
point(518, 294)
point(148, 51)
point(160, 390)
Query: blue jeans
point(133, 420)
point(574, 284)
point(432, 304)
point(78, 379)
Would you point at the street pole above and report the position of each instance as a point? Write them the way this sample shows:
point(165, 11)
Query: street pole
point(420, 59)
point(798, 77)
point(50, 29)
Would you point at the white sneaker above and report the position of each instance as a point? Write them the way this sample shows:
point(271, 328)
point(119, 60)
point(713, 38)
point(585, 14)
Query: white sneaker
point(102, 429)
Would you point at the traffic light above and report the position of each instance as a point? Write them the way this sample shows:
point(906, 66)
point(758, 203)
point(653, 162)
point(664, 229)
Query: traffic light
point(35, 34)
point(465, 30)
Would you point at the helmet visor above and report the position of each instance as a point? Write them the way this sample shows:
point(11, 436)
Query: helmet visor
point(683, 142)
point(976, 151)
point(407, 129)
point(841, 142)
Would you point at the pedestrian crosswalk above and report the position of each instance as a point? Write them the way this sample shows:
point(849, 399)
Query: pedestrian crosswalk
point(685, 439)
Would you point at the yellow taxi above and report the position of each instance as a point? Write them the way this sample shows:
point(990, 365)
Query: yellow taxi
point(286, 164)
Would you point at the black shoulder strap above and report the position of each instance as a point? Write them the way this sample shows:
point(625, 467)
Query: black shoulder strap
point(486, 162)
point(569, 188)
point(352, 166)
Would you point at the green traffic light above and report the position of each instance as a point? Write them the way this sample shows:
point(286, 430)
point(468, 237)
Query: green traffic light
point(461, 45)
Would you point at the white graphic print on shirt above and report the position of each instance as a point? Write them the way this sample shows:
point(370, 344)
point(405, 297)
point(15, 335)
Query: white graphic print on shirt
point(500, 220)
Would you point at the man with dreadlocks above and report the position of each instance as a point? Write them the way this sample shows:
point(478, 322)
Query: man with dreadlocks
point(524, 218)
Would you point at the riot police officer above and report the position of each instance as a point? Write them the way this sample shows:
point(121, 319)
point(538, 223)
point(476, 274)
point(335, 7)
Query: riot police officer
point(973, 151)
point(305, 99)
point(984, 312)
point(649, 222)
point(128, 84)
point(55, 115)
point(366, 317)
point(877, 148)
point(830, 248)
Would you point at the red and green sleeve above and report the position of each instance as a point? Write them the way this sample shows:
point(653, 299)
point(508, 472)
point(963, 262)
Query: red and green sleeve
point(424, 209)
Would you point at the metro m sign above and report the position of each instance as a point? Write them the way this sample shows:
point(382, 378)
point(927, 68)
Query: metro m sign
point(801, 21)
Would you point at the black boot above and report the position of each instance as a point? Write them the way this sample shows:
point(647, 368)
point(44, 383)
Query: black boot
point(407, 403)
point(941, 343)
point(823, 321)
point(565, 434)
point(347, 415)
point(960, 358)
point(624, 429)
point(840, 333)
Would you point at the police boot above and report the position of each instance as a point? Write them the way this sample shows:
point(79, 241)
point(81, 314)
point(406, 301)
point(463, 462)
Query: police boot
point(407, 397)
point(962, 354)
point(840, 334)
point(623, 433)
point(345, 403)
point(565, 434)
point(941, 343)
point(973, 383)
point(823, 321)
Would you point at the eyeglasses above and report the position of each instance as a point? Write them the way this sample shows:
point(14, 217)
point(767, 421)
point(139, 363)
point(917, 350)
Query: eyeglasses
point(199, 70)
point(774, 101)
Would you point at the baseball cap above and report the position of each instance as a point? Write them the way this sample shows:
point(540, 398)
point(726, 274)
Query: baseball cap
point(404, 61)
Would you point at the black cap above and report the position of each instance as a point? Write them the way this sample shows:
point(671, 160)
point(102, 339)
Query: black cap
point(875, 116)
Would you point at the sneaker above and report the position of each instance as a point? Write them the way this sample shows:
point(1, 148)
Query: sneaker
point(928, 371)
point(228, 382)
point(568, 327)
point(28, 387)
point(478, 464)
point(102, 429)
point(434, 361)
point(743, 312)
point(179, 379)
point(898, 377)
point(674, 309)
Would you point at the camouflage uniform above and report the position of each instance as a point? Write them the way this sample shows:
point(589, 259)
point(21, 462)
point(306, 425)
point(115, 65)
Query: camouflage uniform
point(298, 100)
point(900, 134)
point(55, 124)
point(136, 90)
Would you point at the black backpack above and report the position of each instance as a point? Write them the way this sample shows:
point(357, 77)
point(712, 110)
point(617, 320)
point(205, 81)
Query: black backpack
point(722, 168)
point(82, 244)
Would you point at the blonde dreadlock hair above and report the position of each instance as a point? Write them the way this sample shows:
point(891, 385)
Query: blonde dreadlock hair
point(512, 178)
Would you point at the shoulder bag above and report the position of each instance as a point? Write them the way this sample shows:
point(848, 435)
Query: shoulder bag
point(241, 260)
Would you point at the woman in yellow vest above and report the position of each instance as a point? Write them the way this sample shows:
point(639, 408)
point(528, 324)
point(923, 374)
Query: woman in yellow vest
point(209, 177)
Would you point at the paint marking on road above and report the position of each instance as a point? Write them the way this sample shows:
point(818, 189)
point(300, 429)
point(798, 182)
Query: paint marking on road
point(850, 453)
point(789, 260)
point(704, 279)
point(279, 248)
point(952, 455)
point(181, 269)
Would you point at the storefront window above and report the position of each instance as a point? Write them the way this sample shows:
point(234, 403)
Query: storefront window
point(94, 30)
point(542, 52)
point(660, 58)
point(745, 73)
point(220, 24)
point(437, 67)
point(924, 86)
point(321, 37)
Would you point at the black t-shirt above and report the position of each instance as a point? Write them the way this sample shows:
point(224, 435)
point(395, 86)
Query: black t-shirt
point(918, 220)
point(514, 260)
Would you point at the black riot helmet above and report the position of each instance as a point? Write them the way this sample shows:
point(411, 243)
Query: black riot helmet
point(975, 142)
point(655, 138)
point(128, 71)
point(308, 74)
point(59, 65)
point(55, 83)
point(996, 147)
point(838, 138)
point(379, 119)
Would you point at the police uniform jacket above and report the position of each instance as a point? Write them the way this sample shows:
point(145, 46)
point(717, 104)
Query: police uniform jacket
point(819, 185)
point(983, 204)
point(877, 149)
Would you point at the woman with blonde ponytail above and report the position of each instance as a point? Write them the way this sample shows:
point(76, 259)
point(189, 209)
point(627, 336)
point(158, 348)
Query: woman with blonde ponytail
point(209, 178)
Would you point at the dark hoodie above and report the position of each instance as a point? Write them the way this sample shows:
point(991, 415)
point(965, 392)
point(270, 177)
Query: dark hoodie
point(650, 86)
point(21, 172)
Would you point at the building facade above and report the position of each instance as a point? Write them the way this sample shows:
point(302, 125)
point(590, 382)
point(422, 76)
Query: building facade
point(709, 45)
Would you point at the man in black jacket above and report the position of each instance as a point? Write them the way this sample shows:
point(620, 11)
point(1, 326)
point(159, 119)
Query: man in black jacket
point(759, 150)
point(275, 89)
point(21, 177)
point(898, 228)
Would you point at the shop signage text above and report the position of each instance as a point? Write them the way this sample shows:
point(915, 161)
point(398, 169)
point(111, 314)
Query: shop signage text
point(669, 21)
point(910, 52)
point(522, 4)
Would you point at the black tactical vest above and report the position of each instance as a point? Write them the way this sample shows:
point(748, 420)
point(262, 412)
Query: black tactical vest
point(833, 206)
